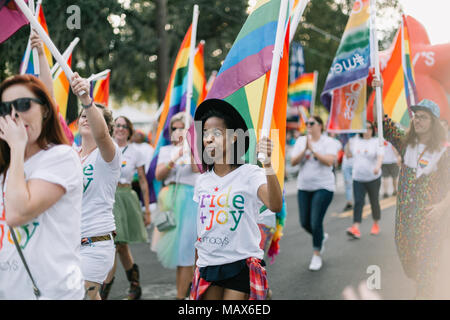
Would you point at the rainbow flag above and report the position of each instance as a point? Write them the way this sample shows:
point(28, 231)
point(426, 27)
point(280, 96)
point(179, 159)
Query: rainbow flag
point(175, 101)
point(30, 67)
point(243, 81)
point(100, 90)
point(61, 88)
point(344, 94)
point(399, 89)
point(301, 92)
point(199, 80)
point(73, 126)
point(11, 19)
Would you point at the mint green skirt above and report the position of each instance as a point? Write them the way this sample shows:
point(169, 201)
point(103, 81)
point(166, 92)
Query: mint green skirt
point(129, 218)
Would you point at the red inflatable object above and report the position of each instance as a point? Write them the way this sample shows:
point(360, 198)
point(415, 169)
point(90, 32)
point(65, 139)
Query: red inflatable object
point(431, 66)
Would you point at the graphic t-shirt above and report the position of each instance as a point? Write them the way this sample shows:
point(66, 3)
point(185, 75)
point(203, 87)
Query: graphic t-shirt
point(314, 175)
point(100, 180)
point(365, 153)
point(132, 158)
point(227, 218)
point(50, 242)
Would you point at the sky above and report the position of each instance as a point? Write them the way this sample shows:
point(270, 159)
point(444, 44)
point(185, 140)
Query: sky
point(433, 14)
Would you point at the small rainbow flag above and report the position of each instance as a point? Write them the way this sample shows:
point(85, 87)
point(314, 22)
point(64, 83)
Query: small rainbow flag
point(100, 90)
point(301, 92)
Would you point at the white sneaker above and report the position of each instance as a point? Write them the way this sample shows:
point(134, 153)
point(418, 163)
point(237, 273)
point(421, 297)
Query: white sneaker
point(325, 238)
point(316, 263)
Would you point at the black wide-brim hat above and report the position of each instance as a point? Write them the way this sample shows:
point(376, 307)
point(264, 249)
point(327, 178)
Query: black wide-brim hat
point(225, 108)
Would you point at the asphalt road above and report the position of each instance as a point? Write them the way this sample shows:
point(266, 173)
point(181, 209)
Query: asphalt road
point(364, 268)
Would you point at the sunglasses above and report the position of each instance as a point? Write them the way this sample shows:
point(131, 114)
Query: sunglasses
point(173, 129)
point(311, 123)
point(123, 126)
point(20, 105)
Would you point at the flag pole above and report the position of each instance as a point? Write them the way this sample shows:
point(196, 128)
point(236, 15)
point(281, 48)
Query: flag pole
point(278, 50)
point(190, 80)
point(65, 55)
point(313, 94)
point(296, 18)
point(37, 70)
point(376, 60)
point(50, 45)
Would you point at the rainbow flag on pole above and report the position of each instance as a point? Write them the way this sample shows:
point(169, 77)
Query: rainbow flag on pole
point(301, 92)
point(175, 101)
point(345, 87)
point(399, 89)
point(100, 90)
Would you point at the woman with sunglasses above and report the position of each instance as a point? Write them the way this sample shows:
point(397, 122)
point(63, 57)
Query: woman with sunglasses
point(315, 153)
point(128, 216)
point(100, 159)
point(41, 181)
point(175, 248)
point(421, 235)
point(367, 157)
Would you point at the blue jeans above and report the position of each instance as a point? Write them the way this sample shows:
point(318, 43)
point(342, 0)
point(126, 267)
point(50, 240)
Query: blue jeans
point(313, 206)
point(348, 181)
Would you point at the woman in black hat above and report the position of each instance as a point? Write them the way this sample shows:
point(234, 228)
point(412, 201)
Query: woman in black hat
point(229, 194)
point(423, 184)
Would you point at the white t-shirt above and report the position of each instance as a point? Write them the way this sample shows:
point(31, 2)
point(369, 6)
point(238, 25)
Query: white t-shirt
point(389, 154)
point(227, 217)
point(132, 158)
point(182, 172)
point(50, 242)
point(99, 187)
point(348, 162)
point(147, 153)
point(314, 175)
point(365, 153)
point(425, 162)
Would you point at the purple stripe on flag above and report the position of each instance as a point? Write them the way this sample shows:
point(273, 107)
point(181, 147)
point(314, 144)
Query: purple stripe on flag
point(238, 76)
point(10, 22)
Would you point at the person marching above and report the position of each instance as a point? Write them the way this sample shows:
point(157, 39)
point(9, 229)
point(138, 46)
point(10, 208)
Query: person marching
point(316, 154)
point(229, 194)
point(175, 247)
point(367, 157)
point(130, 223)
point(41, 185)
point(100, 159)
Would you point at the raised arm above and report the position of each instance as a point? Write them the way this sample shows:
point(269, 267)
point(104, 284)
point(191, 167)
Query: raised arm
point(95, 118)
point(45, 75)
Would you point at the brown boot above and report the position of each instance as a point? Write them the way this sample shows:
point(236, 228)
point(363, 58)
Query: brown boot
point(135, 291)
point(105, 289)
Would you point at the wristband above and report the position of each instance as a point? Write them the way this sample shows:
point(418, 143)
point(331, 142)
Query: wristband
point(87, 106)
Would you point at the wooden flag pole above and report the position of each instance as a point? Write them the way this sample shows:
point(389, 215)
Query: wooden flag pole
point(65, 55)
point(48, 42)
point(278, 50)
point(37, 70)
point(296, 17)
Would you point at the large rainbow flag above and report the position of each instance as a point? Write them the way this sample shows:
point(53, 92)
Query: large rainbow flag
point(175, 101)
point(345, 84)
point(100, 90)
point(243, 81)
point(61, 88)
point(399, 89)
point(301, 92)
